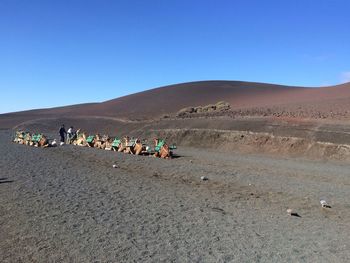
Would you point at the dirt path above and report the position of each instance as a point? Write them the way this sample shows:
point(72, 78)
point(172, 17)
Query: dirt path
point(68, 204)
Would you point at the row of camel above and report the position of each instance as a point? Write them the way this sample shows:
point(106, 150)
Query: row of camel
point(35, 139)
point(126, 145)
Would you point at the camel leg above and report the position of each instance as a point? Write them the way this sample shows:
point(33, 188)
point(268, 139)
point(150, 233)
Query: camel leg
point(138, 151)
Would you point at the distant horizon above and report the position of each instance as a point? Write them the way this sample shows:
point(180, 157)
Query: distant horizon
point(66, 53)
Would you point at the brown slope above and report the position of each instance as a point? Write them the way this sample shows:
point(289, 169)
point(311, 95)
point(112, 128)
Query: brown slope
point(170, 99)
point(166, 100)
point(241, 95)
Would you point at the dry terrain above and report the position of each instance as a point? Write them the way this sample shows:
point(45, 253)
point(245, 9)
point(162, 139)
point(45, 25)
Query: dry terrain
point(245, 98)
point(264, 149)
point(67, 204)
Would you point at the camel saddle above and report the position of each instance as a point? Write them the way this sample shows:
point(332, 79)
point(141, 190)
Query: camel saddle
point(36, 137)
point(159, 145)
point(90, 139)
point(116, 142)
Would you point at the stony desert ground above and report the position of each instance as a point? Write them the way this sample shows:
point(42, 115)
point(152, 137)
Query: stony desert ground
point(68, 204)
point(264, 148)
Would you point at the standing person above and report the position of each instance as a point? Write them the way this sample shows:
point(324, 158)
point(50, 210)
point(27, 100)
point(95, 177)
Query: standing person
point(62, 132)
point(70, 135)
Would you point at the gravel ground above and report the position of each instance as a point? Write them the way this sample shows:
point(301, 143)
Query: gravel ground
point(68, 204)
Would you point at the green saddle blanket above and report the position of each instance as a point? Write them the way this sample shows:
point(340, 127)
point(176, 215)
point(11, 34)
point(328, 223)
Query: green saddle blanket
point(36, 137)
point(159, 145)
point(90, 139)
point(116, 143)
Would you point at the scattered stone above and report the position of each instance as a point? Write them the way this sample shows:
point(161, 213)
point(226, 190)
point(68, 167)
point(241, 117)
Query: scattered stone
point(324, 204)
point(292, 213)
point(204, 178)
point(115, 166)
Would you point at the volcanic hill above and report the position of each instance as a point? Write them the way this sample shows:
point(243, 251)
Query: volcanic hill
point(259, 117)
point(242, 96)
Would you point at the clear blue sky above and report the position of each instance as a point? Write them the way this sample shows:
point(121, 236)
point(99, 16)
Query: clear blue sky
point(65, 52)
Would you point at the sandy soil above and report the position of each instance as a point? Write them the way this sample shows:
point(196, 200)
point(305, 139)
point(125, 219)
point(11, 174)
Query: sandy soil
point(67, 204)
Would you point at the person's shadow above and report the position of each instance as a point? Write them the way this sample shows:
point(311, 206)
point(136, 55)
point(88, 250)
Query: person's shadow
point(4, 181)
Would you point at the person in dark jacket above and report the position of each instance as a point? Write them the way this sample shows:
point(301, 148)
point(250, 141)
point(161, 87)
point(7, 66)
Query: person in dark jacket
point(62, 133)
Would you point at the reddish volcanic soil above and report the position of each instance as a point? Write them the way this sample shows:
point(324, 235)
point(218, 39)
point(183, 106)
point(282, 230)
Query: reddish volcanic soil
point(312, 115)
point(277, 148)
point(244, 96)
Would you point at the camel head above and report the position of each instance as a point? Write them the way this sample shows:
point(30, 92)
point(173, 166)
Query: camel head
point(105, 137)
point(126, 139)
point(165, 151)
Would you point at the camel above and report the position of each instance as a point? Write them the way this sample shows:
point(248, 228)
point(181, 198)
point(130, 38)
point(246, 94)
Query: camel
point(133, 146)
point(42, 141)
point(139, 148)
point(129, 144)
point(124, 145)
point(90, 141)
point(97, 142)
point(162, 150)
point(39, 140)
point(27, 139)
point(80, 138)
point(19, 137)
point(116, 144)
point(93, 141)
point(106, 143)
point(103, 141)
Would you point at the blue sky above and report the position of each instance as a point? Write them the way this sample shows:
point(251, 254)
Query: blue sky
point(66, 52)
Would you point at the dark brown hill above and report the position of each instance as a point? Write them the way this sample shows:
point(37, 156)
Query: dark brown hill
point(156, 102)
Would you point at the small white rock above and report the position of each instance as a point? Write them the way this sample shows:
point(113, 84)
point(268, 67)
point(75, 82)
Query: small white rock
point(204, 178)
point(324, 203)
point(115, 166)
